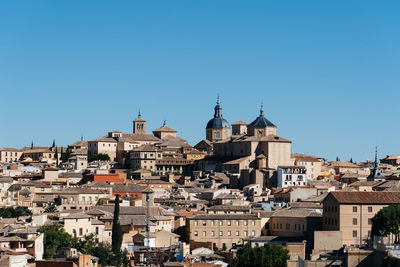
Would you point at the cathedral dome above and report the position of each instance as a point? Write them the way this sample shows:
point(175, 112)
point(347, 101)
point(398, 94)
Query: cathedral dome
point(218, 122)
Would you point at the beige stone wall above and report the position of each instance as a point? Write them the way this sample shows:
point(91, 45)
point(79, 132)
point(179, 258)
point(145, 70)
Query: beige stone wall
point(225, 231)
point(287, 226)
point(353, 221)
point(217, 134)
point(327, 240)
point(76, 224)
point(7, 156)
point(109, 148)
point(278, 154)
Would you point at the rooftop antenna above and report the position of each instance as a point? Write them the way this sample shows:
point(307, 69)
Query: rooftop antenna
point(139, 115)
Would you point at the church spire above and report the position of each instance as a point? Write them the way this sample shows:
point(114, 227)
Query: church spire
point(218, 110)
point(262, 110)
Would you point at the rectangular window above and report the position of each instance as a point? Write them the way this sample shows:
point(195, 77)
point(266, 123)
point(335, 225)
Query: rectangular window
point(253, 233)
point(369, 209)
point(196, 233)
point(245, 233)
point(229, 233)
point(204, 223)
point(229, 223)
point(220, 222)
point(237, 223)
point(355, 233)
point(354, 208)
point(204, 233)
point(369, 221)
point(80, 231)
point(354, 221)
point(212, 223)
point(237, 233)
point(195, 223)
point(212, 233)
point(220, 233)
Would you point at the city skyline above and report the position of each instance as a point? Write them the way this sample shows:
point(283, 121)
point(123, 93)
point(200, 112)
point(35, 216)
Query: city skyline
point(326, 73)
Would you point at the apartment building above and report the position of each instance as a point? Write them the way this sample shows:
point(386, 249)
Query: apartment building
point(292, 176)
point(103, 145)
point(223, 230)
point(351, 213)
point(312, 164)
point(9, 154)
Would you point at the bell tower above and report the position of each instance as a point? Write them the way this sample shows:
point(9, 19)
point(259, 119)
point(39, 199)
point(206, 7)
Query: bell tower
point(139, 125)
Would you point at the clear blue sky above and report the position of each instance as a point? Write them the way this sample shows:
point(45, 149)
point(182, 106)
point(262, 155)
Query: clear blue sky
point(326, 71)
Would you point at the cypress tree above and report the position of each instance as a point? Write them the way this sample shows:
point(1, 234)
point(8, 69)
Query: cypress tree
point(56, 155)
point(54, 143)
point(116, 229)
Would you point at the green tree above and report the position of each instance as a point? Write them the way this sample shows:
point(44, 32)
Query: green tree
point(103, 157)
point(387, 221)
point(51, 208)
point(56, 156)
point(103, 251)
point(55, 237)
point(11, 212)
point(116, 229)
point(268, 256)
point(65, 156)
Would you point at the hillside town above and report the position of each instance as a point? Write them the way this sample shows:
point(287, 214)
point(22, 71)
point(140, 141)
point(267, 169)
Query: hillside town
point(149, 198)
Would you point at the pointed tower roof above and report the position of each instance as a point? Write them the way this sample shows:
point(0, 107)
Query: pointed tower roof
point(261, 121)
point(139, 117)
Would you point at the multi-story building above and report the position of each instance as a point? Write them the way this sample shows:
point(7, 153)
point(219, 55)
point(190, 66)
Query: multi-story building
point(143, 157)
point(291, 176)
point(103, 145)
point(223, 230)
point(313, 165)
point(9, 155)
point(42, 154)
point(295, 222)
point(260, 139)
point(351, 212)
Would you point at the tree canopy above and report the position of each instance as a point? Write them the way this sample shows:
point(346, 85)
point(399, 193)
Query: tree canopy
point(387, 221)
point(50, 208)
point(268, 256)
point(11, 212)
point(103, 157)
point(116, 229)
point(55, 237)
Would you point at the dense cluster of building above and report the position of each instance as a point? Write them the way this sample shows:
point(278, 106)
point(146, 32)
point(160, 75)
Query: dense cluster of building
point(241, 185)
